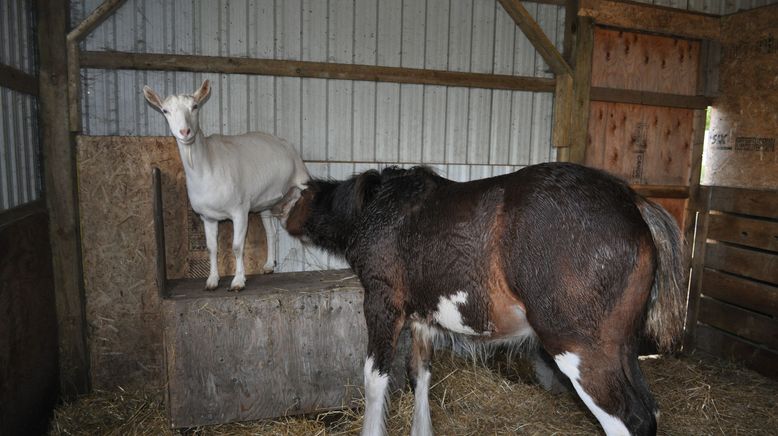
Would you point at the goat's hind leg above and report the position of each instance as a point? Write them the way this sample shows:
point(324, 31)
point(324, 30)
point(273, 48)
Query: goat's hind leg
point(269, 223)
point(239, 227)
point(211, 234)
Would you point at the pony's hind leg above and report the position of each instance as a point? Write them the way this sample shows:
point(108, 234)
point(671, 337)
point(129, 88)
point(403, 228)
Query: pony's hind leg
point(616, 394)
point(419, 373)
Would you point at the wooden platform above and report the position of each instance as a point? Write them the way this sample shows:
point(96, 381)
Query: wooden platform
point(290, 343)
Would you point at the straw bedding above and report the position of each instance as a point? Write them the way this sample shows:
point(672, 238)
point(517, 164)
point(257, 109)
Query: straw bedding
point(698, 395)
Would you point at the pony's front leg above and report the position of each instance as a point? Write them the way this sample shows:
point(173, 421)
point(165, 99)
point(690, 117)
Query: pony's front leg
point(384, 323)
point(239, 226)
point(269, 223)
point(211, 232)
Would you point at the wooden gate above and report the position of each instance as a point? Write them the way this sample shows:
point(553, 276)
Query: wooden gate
point(733, 302)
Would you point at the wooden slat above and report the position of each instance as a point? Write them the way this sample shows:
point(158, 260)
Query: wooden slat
point(614, 95)
point(744, 231)
point(743, 262)
point(754, 327)
point(18, 80)
point(320, 70)
point(636, 16)
point(746, 202)
point(60, 183)
point(536, 36)
point(721, 344)
point(742, 292)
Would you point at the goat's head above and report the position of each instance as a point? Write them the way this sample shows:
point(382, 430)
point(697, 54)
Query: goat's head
point(181, 111)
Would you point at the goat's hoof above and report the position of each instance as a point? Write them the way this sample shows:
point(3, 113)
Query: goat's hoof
point(238, 284)
point(212, 283)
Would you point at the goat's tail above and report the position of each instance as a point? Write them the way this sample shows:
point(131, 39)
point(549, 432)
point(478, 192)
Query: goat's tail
point(667, 303)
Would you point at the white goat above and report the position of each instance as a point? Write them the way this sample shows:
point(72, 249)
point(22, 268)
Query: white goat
point(228, 176)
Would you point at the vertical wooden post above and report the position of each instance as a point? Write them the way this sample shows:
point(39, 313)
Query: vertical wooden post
point(563, 105)
point(697, 264)
point(695, 228)
point(60, 192)
point(582, 85)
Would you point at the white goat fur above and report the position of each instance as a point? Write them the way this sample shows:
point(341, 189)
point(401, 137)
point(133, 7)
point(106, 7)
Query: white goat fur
point(229, 176)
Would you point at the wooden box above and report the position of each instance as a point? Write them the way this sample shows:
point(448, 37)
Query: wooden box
point(290, 343)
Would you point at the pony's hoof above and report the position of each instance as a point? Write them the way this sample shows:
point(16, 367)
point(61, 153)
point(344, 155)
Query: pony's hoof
point(212, 283)
point(238, 284)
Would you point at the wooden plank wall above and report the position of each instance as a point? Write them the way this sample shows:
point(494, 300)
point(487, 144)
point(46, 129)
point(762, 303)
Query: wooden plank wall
point(29, 370)
point(734, 297)
point(644, 144)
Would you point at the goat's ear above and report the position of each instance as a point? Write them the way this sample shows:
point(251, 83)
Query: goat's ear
point(365, 188)
point(201, 94)
point(152, 97)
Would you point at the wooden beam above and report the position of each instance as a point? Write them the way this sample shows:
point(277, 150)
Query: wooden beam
point(582, 85)
point(662, 191)
point(60, 192)
point(98, 15)
point(536, 36)
point(319, 70)
point(90, 23)
point(614, 95)
point(18, 80)
point(649, 18)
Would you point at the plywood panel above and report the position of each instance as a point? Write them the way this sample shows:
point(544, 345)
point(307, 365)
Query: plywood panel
point(740, 150)
point(643, 144)
point(629, 60)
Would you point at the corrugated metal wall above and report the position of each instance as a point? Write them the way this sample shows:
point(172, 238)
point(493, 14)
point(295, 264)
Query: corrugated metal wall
point(340, 127)
point(19, 151)
point(719, 7)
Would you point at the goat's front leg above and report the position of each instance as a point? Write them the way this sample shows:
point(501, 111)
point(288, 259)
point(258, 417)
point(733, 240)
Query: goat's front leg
point(239, 226)
point(211, 232)
point(269, 223)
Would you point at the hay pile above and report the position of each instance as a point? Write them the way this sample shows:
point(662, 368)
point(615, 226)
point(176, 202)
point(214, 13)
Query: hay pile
point(697, 395)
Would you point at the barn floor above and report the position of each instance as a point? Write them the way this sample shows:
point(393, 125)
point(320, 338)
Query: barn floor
point(697, 395)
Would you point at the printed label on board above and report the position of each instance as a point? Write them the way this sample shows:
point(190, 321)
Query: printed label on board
point(747, 143)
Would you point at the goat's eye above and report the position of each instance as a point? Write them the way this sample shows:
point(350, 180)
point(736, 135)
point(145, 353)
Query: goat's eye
point(194, 106)
point(164, 111)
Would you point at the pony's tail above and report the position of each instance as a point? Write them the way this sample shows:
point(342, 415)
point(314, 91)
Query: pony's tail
point(667, 303)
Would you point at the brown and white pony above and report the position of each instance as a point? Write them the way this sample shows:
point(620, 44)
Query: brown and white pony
point(562, 254)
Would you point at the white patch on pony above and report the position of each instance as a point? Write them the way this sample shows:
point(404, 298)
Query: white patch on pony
point(376, 385)
point(422, 423)
point(448, 315)
point(568, 363)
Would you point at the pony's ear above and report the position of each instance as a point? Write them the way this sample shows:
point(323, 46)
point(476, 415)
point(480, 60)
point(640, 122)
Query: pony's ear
point(365, 188)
